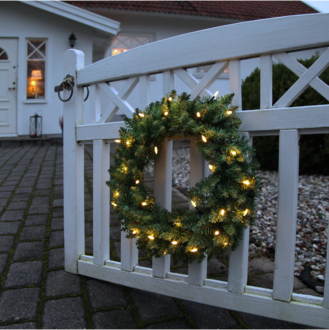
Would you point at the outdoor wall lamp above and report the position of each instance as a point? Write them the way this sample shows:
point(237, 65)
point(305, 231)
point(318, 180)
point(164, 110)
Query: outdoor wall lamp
point(72, 40)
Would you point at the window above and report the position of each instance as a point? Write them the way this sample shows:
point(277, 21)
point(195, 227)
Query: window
point(36, 69)
point(3, 55)
point(122, 43)
point(201, 70)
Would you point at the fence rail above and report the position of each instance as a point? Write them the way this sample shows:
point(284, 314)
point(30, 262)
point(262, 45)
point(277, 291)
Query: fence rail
point(222, 46)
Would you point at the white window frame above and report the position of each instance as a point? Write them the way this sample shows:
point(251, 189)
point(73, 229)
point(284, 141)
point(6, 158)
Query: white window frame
point(200, 75)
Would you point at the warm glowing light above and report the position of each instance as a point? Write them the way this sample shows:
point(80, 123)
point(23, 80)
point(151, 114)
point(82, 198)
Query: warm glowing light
point(211, 167)
point(127, 143)
point(174, 243)
point(246, 212)
point(198, 114)
point(114, 204)
point(134, 232)
point(166, 113)
point(222, 212)
point(125, 169)
point(204, 139)
point(156, 150)
point(36, 74)
point(117, 141)
point(233, 152)
point(226, 243)
point(170, 99)
point(216, 232)
point(246, 182)
point(194, 250)
point(33, 83)
point(193, 203)
point(215, 95)
point(144, 203)
point(151, 237)
point(229, 112)
point(137, 181)
point(141, 115)
point(116, 194)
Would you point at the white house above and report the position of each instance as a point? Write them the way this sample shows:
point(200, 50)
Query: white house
point(33, 38)
point(142, 22)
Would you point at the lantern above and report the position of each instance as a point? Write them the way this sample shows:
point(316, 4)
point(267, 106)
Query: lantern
point(35, 126)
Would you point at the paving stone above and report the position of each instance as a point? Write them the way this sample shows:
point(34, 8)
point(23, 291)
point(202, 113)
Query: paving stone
point(89, 245)
point(58, 195)
point(6, 243)
point(57, 223)
point(42, 192)
point(215, 266)
point(153, 306)
point(58, 188)
point(25, 190)
point(88, 215)
point(17, 305)
point(118, 319)
point(5, 194)
point(25, 183)
point(88, 205)
point(24, 273)
point(21, 197)
point(182, 270)
point(33, 232)
point(103, 294)
point(261, 265)
point(145, 263)
point(266, 281)
point(29, 250)
point(10, 182)
point(65, 313)
point(56, 258)
point(40, 219)
point(308, 291)
point(17, 206)
point(39, 209)
point(88, 196)
point(56, 238)
point(115, 232)
point(61, 283)
point(44, 185)
point(40, 200)
point(58, 212)
point(9, 227)
point(117, 250)
point(7, 188)
point(12, 215)
point(58, 202)
point(3, 262)
point(209, 317)
point(26, 325)
point(176, 324)
point(89, 229)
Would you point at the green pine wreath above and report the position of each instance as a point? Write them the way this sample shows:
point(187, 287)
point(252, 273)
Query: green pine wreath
point(223, 202)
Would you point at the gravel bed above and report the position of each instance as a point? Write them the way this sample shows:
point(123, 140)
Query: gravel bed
point(312, 214)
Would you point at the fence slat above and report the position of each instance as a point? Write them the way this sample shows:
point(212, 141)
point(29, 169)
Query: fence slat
point(129, 253)
point(144, 91)
point(266, 81)
point(162, 194)
point(197, 272)
point(94, 104)
point(168, 82)
point(235, 83)
point(73, 162)
point(101, 206)
point(238, 259)
point(287, 215)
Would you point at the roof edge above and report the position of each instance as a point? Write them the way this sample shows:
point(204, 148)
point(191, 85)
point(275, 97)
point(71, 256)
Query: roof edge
point(77, 14)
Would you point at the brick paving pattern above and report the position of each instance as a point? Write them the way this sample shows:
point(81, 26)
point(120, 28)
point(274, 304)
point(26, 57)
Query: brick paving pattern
point(36, 292)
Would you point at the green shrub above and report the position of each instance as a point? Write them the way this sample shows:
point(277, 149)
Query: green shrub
point(314, 149)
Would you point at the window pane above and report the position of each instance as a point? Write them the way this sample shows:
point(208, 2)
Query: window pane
point(3, 55)
point(36, 79)
point(36, 49)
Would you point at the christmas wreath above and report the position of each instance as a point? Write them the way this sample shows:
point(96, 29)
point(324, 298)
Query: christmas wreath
point(223, 203)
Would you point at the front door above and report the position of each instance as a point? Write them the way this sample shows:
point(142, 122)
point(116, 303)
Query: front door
point(8, 86)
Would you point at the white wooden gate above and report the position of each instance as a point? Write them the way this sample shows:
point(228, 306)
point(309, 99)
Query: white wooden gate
point(221, 46)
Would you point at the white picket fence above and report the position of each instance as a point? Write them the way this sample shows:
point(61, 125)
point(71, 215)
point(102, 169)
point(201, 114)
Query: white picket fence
point(220, 46)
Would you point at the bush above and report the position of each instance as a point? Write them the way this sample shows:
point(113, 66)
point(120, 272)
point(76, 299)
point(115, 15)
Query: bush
point(314, 149)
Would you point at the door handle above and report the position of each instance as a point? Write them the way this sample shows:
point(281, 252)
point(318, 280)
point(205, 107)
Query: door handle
point(12, 88)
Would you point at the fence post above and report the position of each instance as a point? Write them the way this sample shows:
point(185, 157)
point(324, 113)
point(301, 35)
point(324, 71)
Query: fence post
point(73, 163)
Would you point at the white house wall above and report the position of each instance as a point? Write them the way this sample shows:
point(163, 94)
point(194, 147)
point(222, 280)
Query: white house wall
point(21, 21)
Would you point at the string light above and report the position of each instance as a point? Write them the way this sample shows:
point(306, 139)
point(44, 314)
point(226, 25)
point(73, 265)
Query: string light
point(246, 212)
point(212, 168)
point(233, 152)
point(156, 150)
point(194, 250)
point(151, 237)
point(113, 204)
point(216, 232)
point(193, 203)
point(246, 182)
point(137, 181)
point(166, 113)
point(116, 194)
point(225, 243)
point(215, 95)
point(170, 99)
point(117, 141)
point(144, 203)
point(198, 114)
point(222, 212)
point(204, 139)
point(127, 143)
point(134, 232)
point(141, 115)
point(174, 243)
point(229, 112)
